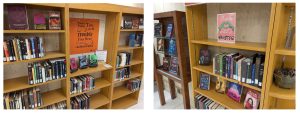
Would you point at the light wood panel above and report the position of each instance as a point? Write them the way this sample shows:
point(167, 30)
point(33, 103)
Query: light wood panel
point(124, 102)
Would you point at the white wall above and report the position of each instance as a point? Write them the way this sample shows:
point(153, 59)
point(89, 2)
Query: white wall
point(165, 7)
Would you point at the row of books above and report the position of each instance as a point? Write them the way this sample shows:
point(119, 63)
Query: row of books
point(80, 102)
point(134, 84)
point(166, 46)
point(83, 61)
point(202, 102)
point(171, 64)
point(122, 73)
point(135, 40)
point(20, 48)
point(129, 22)
point(238, 67)
point(82, 83)
point(17, 18)
point(59, 105)
point(158, 30)
point(43, 71)
point(24, 99)
point(123, 59)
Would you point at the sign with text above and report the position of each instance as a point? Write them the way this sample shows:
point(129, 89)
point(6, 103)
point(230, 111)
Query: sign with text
point(83, 35)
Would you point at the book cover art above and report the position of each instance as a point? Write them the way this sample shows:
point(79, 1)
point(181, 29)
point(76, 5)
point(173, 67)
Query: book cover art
point(54, 21)
point(39, 21)
point(141, 23)
point(139, 40)
point(174, 65)
point(127, 23)
point(172, 47)
point(135, 23)
point(166, 63)
point(131, 39)
point(17, 17)
point(160, 44)
point(226, 27)
point(157, 29)
point(204, 81)
point(169, 30)
point(234, 91)
point(252, 100)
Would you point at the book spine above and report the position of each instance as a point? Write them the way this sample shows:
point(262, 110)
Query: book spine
point(6, 51)
point(30, 77)
point(257, 64)
point(261, 74)
point(243, 71)
point(19, 50)
point(12, 50)
point(249, 71)
point(15, 49)
point(28, 49)
point(32, 48)
point(36, 46)
point(253, 74)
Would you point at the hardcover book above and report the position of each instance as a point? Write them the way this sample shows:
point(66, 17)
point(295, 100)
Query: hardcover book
point(135, 23)
point(172, 47)
point(174, 65)
point(54, 21)
point(226, 27)
point(234, 91)
point(169, 30)
point(39, 21)
point(139, 40)
point(204, 81)
point(252, 100)
point(17, 17)
point(127, 23)
point(157, 29)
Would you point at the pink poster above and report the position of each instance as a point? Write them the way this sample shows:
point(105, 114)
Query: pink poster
point(226, 27)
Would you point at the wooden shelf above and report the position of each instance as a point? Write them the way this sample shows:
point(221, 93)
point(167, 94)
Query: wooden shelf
point(88, 70)
point(33, 31)
point(19, 83)
point(209, 70)
point(98, 100)
point(120, 91)
point(131, 76)
point(99, 83)
point(283, 51)
point(277, 92)
point(169, 75)
point(133, 62)
point(123, 48)
point(49, 55)
point(222, 99)
point(124, 102)
point(261, 47)
point(131, 30)
point(52, 97)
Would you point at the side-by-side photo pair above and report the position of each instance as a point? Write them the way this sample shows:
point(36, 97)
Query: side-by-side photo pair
point(205, 56)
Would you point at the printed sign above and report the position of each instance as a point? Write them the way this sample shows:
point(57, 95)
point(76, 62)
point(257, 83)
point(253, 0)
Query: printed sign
point(226, 27)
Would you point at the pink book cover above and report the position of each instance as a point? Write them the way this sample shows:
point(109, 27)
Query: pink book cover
point(226, 26)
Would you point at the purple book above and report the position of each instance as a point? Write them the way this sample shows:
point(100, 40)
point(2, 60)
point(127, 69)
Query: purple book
point(17, 17)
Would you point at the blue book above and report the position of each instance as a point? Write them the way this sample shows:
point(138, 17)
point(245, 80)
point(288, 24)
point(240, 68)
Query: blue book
point(169, 30)
point(32, 47)
point(172, 47)
point(131, 40)
point(253, 74)
point(204, 81)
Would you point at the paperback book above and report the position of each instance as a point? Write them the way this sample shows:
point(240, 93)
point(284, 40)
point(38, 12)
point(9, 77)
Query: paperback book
point(54, 20)
point(204, 81)
point(174, 65)
point(135, 23)
point(226, 27)
point(234, 91)
point(252, 100)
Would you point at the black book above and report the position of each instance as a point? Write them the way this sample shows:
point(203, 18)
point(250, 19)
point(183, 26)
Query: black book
point(224, 65)
point(261, 74)
point(127, 23)
point(36, 47)
point(12, 51)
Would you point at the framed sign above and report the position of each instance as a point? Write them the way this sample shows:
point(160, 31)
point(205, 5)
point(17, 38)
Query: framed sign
point(83, 35)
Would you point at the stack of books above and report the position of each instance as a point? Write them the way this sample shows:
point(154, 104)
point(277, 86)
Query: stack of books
point(24, 99)
point(80, 102)
point(235, 66)
point(43, 71)
point(82, 83)
point(133, 85)
point(19, 48)
point(202, 102)
point(122, 73)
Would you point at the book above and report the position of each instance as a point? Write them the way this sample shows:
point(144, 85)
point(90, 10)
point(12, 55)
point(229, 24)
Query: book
point(141, 23)
point(83, 62)
point(121, 74)
point(139, 40)
point(160, 44)
point(172, 47)
point(174, 65)
point(17, 17)
point(157, 29)
point(127, 22)
point(234, 91)
point(166, 63)
point(204, 82)
point(131, 39)
point(261, 74)
point(252, 100)
point(135, 23)
point(133, 84)
point(169, 30)
point(39, 21)
point(123, 59)
point(54, 20)
point(102, 55)
point(80, 102)
point(202, 102)
point(226, 27)
point(82, 83)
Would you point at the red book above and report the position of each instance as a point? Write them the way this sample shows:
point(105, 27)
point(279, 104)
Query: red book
point(6, 51)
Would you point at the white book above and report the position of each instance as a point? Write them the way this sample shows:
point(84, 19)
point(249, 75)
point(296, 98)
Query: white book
point(43, 74)
point(123, 59)
point(240, 69)
point(41, 47)
point(28, 49)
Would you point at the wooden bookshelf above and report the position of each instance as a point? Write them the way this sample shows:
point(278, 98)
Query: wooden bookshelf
point(276, 97)
point(124, 102)
point(104, 84)
point(131, 76)
point(183, 76)
point(120, 91)
point(132, 63)
point(198, 29)
point(125, 48)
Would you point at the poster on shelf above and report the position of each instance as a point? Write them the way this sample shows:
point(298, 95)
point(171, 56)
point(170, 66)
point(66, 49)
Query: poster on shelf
point(226, 27)
point(83, 35)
